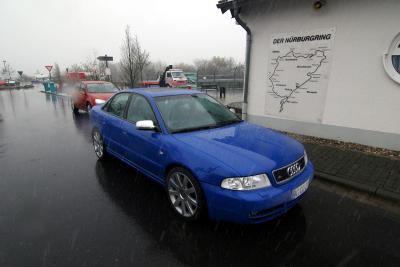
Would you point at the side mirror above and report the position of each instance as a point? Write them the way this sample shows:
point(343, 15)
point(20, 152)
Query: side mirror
point(145, 125)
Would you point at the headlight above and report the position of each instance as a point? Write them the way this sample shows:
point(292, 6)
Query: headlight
point(246, 183)
point(99, 101)
point(305, 158)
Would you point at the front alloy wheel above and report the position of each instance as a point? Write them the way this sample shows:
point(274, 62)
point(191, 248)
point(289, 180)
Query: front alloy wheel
point(184, 194)
point(98, 145)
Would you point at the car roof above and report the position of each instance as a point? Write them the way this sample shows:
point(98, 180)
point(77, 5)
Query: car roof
point(155, 92)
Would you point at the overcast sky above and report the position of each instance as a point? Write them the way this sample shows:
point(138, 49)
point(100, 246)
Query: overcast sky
point(35, 33)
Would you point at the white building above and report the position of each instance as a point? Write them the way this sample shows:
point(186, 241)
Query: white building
point(323, 68)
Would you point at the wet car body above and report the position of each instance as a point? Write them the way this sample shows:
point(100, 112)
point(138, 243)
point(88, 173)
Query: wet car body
point(211, 155)
point(85, 99)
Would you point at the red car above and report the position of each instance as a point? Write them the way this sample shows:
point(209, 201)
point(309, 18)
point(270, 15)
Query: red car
point(90, 93)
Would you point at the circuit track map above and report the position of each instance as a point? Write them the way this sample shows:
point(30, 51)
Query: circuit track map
point(285, 98)
point(298, 72)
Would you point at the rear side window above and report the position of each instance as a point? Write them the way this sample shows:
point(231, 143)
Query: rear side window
point(117, 104)
point(139, 110)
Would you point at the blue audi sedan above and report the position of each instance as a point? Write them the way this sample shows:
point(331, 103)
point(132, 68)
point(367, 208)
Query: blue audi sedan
point(209, 161)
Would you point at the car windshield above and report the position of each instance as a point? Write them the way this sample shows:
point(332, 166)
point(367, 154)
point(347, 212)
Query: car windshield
point(178, 74)
point(101, 88)
point(184, 113)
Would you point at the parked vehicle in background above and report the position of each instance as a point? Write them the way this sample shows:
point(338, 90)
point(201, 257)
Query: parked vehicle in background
point(207, 159)
point(87, 94)
point(175, 78)
point(11, 83)
point(169, 78)
point(150, 83)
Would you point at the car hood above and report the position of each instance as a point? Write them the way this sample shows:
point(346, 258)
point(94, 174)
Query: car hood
point(246, 148)
point(103, 96)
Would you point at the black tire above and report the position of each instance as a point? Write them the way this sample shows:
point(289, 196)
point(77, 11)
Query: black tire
point(88, 107)
point(181, 200)
point(98, 145)
point(75, 110)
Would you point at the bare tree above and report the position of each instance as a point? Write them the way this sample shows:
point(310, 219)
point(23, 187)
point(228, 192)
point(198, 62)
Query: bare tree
point(57, 73)
point(128, 60)
point(134, 59)
point(153, 70)
point(185, 67)
point(94, 67)
point(201, 66)
point(142, 58)
point(8, 70)
point(215, 65)
point(75, 68)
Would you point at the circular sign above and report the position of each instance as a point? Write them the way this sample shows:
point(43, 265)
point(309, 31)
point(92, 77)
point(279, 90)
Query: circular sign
point(391, 60)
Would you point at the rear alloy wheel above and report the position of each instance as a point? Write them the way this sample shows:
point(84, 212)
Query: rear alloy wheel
point(184, 194)
point(88, 107)
point(98, 145)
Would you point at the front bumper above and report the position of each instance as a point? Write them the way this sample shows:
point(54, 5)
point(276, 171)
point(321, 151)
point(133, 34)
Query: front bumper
point(254, 206)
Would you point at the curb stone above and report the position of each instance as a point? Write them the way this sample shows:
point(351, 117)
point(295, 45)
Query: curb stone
point(59, 94)
point(372, 190)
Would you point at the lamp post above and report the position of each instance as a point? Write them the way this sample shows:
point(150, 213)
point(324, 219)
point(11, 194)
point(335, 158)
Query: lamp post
point(108, 71)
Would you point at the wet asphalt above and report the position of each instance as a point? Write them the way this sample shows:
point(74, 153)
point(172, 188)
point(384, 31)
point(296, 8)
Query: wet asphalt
point(59, 206)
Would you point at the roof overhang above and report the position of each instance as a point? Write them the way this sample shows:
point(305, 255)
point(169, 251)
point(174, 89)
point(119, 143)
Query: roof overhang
point(226, 5)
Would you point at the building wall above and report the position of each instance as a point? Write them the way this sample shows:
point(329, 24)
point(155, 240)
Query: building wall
point(362, 102)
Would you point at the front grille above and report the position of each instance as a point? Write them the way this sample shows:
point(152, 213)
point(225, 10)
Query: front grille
point(289, 171)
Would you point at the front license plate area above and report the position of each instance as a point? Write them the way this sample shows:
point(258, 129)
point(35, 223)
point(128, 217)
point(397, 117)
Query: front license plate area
point(300, 189)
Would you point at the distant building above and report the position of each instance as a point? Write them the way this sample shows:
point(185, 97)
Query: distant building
point(323, 68)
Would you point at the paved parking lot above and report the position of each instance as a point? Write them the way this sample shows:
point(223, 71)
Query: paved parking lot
point(59, 206)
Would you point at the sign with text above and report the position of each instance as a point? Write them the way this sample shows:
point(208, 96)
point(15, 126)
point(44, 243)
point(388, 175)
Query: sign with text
point(298, 72)
point(105, 58)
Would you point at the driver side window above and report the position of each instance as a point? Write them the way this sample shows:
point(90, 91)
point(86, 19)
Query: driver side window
point(139, 110)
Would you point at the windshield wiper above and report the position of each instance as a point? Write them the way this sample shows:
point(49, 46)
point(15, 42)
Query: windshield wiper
point(205, 127)
point(223, 123)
